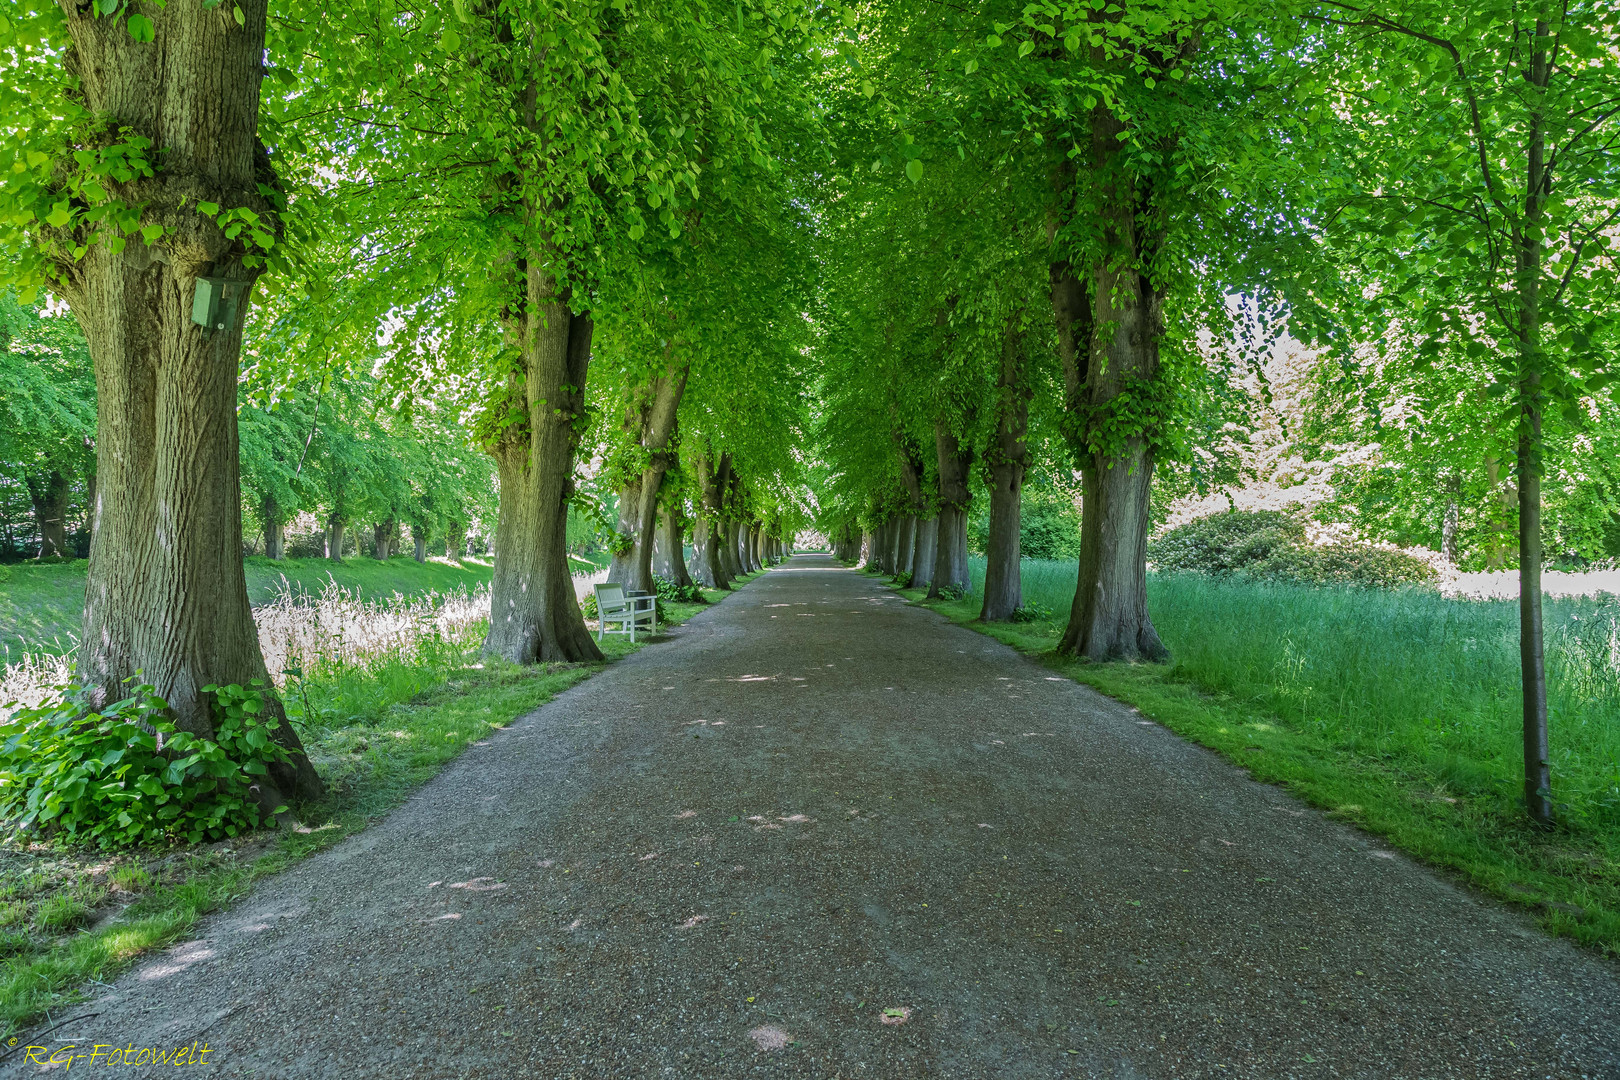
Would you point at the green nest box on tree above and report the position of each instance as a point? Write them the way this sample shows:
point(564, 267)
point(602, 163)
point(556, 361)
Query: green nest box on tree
point(216, 302)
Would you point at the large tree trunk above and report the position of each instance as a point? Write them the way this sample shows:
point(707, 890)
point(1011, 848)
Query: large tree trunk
point(1122, 327)
point(274, 529)
point(922, 571)
point(165, 595)
point(419, 538)
point(49, 495)
point(950, 558)
point(1008, 458)
point(869, 546)
point(534, 615)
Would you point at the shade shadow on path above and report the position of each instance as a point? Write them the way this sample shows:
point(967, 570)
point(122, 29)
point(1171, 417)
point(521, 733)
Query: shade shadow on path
point(824, 833)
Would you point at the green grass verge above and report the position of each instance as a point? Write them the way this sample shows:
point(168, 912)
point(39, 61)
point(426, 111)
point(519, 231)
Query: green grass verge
point(375, 735)
point(1569, 877)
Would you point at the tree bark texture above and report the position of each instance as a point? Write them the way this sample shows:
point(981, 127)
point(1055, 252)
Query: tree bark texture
point(1007, 460)
point(1120, 329)
point(165, 594)
point(533, 613)
point(869, 546)
point(950, 557)
point(419, 539)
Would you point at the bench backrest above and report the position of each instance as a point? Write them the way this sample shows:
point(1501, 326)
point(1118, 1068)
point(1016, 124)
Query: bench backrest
point(609, 597)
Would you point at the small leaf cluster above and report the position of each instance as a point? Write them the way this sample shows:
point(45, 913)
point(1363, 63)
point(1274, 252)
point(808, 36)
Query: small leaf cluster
point(125, 775)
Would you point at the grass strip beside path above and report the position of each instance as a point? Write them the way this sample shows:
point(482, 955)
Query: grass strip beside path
point(1569, 877)
point(72, 918)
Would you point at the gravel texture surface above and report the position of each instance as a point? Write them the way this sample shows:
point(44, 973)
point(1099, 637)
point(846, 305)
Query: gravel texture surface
point(824, 833)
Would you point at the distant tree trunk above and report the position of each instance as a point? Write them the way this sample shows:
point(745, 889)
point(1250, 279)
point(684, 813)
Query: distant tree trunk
point(274, 529)
point(334, 537)
point(49, 495)
point(950, 559)
point(534, 615)
point(165, 595)
point(905, 546)
point(669, 554)
point(869, 546)
point(651, 420)
point(1008, 458)
point(1121, 324)
point(455, 540)
point(729, 563)
point(708, 563)
point(751, 545)
point(1448, 525)
point(419, 537)
point(922, 564)
point(382, 536)
point(878, 557)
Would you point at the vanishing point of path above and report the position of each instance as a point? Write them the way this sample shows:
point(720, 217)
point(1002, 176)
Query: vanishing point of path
point(824, 833)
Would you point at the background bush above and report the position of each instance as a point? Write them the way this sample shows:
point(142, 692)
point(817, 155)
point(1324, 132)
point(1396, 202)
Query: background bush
point(1269, 545)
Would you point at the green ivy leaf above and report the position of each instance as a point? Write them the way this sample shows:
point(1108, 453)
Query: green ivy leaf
point(914, 170)
point(141, 28)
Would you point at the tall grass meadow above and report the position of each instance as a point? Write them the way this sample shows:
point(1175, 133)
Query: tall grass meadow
point(1423, 683)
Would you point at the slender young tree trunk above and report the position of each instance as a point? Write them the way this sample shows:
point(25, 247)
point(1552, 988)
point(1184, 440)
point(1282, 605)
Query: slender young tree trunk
point(950, 558)
point(1008, 458)
point(1121, 326)
point(534, 615)
point(49, 495)
point(922, 565)
point(1528, 240)
point(165, 595)
point(1448, 525)
point(274, 530)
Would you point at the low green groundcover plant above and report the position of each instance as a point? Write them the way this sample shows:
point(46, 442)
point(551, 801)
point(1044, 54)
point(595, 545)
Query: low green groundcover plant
point(125, 775)
point(1268, 545)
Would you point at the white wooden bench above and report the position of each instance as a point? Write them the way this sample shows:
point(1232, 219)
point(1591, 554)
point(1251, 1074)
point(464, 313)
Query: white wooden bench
point(628, 611)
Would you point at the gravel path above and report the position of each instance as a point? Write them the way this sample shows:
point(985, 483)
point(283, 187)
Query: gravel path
point(823, 833)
